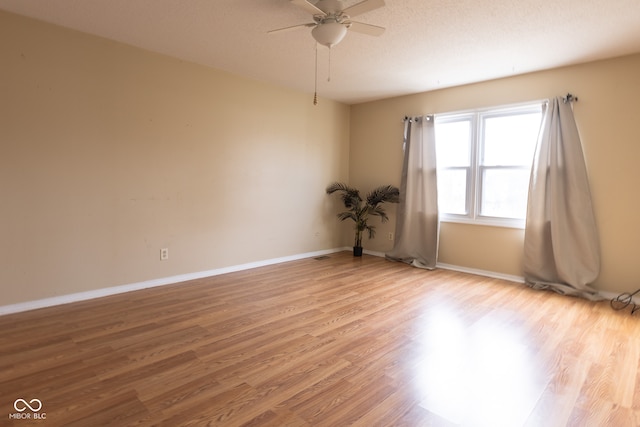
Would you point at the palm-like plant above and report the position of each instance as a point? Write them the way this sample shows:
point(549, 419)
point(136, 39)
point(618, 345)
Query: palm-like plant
point(359, 209)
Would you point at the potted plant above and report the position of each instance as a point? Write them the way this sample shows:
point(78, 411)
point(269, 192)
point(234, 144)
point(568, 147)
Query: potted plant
point(359, 210)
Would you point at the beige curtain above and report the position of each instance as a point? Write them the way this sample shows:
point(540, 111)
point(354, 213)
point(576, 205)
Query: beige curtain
point(562, 251)
point(416, 241)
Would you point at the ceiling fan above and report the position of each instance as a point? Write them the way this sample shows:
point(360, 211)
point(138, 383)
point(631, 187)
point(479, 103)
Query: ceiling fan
point(331, 23)
point(332, 20)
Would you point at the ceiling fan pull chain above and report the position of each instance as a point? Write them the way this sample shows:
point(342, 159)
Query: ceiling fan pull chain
point(329, 77)
point(315, 87)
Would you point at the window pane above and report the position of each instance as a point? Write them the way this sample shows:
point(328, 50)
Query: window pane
point(505, 192)
point(452, 191)
point(453, 141)
point(510, 140)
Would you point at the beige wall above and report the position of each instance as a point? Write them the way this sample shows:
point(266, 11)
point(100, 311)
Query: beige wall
point(109, 153)
point(607, 116)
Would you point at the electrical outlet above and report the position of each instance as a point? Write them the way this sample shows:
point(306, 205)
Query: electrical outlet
point(390, 236)
point(164, 254)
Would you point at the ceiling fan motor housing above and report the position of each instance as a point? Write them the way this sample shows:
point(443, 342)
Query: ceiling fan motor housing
point(330, 32)
point(330, 7)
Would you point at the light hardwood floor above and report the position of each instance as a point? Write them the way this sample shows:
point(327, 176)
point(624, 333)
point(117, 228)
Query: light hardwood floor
point(326, 342)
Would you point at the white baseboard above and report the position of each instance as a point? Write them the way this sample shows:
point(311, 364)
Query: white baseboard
point(475, 271)
point(368, 252)
point(478, 272)
point(97, 293)
point(606, 295)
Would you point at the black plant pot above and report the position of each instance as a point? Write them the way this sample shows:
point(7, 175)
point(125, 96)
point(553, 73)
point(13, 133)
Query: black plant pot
point(357, 251)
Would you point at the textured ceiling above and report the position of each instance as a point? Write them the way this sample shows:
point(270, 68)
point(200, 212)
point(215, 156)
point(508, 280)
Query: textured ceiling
point(428, 44)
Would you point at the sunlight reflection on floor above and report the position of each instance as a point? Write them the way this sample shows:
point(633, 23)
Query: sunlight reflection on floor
point(476, 374)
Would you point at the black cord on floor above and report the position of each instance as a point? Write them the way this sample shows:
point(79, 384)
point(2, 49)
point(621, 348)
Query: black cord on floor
point(624, 300)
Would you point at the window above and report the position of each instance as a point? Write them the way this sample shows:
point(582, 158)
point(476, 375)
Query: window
point(484, 163)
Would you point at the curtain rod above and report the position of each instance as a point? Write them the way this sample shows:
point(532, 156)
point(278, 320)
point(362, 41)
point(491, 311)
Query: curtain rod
point(569, 97)
point(412, 118)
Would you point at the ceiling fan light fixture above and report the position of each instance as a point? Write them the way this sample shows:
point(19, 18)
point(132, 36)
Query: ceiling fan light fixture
point(329, 33)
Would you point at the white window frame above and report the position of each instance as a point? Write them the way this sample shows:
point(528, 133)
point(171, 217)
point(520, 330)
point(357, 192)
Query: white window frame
point(474, 171)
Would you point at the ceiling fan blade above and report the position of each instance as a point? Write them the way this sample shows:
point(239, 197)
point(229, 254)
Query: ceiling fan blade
point(293, 27)
point(312, 9)
point(363, 7)
point(361, 27)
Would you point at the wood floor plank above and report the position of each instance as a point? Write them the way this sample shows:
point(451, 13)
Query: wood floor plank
point(335, 341)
